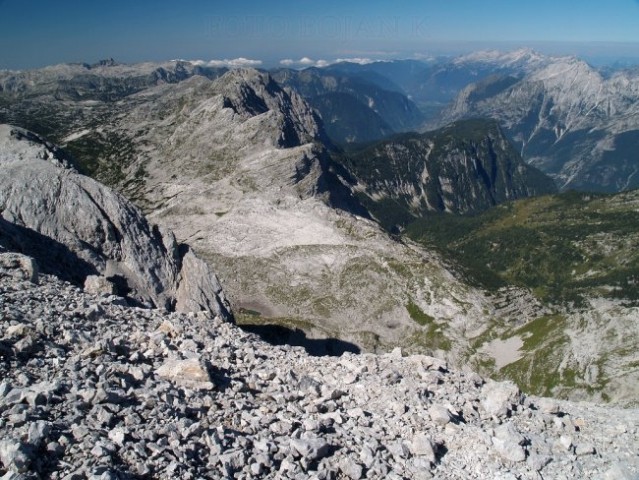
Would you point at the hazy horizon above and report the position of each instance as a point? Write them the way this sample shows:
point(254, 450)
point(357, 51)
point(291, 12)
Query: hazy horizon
point(35, 33)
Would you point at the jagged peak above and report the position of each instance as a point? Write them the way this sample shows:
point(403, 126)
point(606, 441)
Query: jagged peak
point(109, 62)
point(250, 92)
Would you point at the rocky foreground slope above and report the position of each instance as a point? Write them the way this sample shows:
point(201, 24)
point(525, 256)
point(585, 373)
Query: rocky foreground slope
point(91, 388)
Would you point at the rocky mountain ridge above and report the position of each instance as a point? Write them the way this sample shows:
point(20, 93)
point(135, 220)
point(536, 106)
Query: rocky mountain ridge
point(105, 81)
point(78, 229)
point(464, 168)
point(568, 119)
point(571, 120)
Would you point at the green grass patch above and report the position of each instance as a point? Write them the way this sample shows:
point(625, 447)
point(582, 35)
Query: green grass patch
point(429, 341)
point(431, 337)
point(418, 315)
point(539, 331)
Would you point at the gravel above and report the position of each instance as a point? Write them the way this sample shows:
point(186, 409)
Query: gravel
point(93, 388)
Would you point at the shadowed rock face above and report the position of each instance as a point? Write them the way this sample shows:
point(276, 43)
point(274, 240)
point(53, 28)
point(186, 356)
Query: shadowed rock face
point(76, 227)
point(466, 167)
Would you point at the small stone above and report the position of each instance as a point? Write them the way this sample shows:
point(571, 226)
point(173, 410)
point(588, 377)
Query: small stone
point(351, 469)
point(38, 432)
point(311, 425)
point(309, 385)
point(311, 448)
point(15, 396)
point(257, 469)
point(499, 398)
point(19, 330)
point(117, 436)
point(565, 441)
point(547, 405)
point(99, 451)
point(585, 449)
point(19, 267)
point(14, 455)
point(5, 388)
point(439, 415)
point(99, 285)
point(367, 456)
point(188, 372)
point(356, 412)
point(398, 408)
point(169, 329)
point(349, 378)
point(79, 432)
point(399, 450)
point(422, 445)
point(508, 443)
point(234, 459)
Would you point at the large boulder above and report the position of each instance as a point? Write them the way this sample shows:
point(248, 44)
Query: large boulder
point(76, 227)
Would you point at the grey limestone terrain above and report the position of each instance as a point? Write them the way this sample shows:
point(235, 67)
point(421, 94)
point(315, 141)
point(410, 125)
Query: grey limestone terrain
point(239, 168)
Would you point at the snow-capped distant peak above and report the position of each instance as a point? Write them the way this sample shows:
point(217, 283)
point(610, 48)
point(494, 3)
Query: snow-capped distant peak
point(522, 57)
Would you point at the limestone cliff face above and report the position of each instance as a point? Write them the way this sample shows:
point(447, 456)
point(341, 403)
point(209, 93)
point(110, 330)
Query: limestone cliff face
point(575, 123)
point(76, 227)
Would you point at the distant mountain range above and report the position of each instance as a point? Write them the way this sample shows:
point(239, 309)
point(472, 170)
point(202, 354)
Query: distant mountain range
point(354, 108)
point(578, 124)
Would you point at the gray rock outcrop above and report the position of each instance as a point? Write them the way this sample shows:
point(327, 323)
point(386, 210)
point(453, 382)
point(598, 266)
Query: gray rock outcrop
point(18, 266)
point(75, 227)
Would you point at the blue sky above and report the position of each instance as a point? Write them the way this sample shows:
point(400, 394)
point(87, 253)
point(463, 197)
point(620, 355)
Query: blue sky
point(39, 32)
